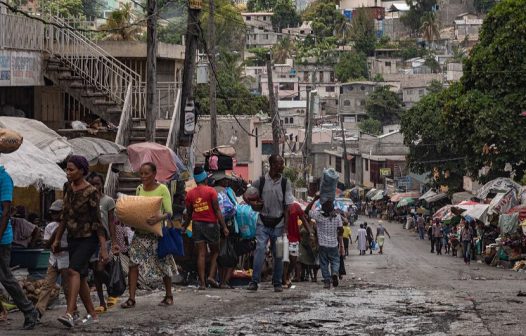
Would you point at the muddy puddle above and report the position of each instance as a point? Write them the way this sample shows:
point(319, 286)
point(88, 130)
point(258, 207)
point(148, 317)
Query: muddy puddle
point(351, 310)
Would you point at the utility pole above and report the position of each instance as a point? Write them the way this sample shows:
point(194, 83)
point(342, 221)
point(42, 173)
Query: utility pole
point(305, 140)
point(151, 70)
point(273, 107)
point(308, 133)
point(184, 138)
point(347, 172)
point(211, 76)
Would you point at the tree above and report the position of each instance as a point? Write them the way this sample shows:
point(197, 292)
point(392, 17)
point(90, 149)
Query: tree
point(171, 33)
point(65, 8)
point(429, 28)
point(351, 66)
point(260, 5)
point(233, 97)
point(417, 9)
point(283, 50)
point(431, 62)
point(259, 57)
point(484, 6)
point(435, 86)
point(410, 49)
point(122, 25)
point(371, 126)
point(325, 17)
point(285, 15)
point(362, 32)
point(229, 26)
point(384, 105)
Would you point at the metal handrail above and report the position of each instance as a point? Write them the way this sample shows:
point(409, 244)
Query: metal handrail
point(174, 125)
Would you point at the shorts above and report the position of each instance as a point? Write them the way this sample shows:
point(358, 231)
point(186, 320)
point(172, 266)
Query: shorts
point(294, 249)
point(80, 252)
point(205, 232)
point(95, 256)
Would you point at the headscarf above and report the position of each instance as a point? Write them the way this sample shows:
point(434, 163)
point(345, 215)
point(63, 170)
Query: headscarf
point(80, 162)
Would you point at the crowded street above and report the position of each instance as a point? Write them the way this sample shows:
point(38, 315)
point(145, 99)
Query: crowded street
point(406, 291)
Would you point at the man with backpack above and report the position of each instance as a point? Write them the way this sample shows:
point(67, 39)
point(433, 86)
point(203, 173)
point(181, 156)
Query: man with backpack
point(275, 191)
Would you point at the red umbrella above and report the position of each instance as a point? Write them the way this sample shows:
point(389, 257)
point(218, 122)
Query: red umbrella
point(521, 209)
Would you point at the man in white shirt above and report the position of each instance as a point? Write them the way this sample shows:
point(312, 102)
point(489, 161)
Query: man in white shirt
point(330, 240)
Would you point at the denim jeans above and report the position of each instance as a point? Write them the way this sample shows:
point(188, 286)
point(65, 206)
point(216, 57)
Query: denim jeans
point(263, 235)
point(9, 282)
point(329, 255)
point(466, 250)
point(421, 231)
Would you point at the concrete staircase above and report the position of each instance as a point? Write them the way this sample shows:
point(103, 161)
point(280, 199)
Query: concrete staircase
point(97, 101)
point(138, 131)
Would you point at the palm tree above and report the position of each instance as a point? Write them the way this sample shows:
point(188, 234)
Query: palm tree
point(122, 25)
point(429, 28)
point(283, 50)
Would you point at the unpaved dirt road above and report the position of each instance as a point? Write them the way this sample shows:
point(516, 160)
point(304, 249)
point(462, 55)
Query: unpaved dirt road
point(406, 291)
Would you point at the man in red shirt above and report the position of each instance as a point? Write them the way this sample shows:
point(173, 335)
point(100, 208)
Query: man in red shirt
point(203, 209)
point(293, 235)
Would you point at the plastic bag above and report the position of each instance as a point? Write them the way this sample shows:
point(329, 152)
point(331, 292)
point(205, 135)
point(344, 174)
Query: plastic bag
point(228, 209)
point(117, 284)
point(170, 243)
point(227, 255)
point(328, 185)
point(375, 246)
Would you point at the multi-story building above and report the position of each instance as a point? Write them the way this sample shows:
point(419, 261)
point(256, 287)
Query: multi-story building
point(415, 87)
point(385, 62)
point(260, 33)
point(467, 26)
point(285, 80)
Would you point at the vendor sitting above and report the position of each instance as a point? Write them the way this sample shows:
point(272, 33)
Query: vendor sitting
point(25, 233)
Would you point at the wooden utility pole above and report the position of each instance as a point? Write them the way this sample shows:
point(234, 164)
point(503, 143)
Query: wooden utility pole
point(151, 70)
point(192, 36)
point(211, 76)
point(305, 140)
point(347, 172)
point(308, 133)
point(273, 107)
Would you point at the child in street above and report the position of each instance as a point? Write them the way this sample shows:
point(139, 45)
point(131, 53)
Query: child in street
point(347, 234)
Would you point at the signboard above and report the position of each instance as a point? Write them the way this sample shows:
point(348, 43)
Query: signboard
point(195, 4)
point(348, 14)
point(385, 171)
point(20, 68)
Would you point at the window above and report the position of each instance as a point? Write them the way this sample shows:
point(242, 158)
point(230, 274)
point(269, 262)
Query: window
point(321, 76)
point(409, 91)
point(286, 120)
point(353, 166)
point(362, 88)
point(248, 18)
point(329, 89)
point(330, 160)
point(286, 86)
point(387, 64)
point(331, 75)
point(349, 119)
point(265, 36)
point(291, 121)
point(266, 149)
point(366, 164)
point(421, 92)
point(338, 164)
point(305, 76)
point(264, 18)
point(346, 102)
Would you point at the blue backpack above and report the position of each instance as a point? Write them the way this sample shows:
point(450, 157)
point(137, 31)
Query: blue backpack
point(245, 221)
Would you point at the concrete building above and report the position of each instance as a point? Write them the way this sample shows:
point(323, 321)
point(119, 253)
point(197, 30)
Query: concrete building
point(385, 62)
point(260, 33)
point(415, 87)
point(454, 72)
point(285, 80)
point(467, 27)
point(299, 32)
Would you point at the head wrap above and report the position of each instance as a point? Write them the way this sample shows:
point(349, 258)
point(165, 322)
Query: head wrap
point(199, 174)
point(80, 162)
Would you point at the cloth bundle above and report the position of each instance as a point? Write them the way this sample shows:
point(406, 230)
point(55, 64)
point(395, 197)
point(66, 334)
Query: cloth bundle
point(328, 184)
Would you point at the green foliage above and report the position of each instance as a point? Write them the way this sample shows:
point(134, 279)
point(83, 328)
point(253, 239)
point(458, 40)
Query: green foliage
point(291, 174)
point(371, 126)
point(484, 6)
point(435, 86)
point(351, 66)
point(477, 123)
point(413, 18)
point(260, 5)
point(230, 87)
point(285, 15)
point(229, 26)
point(410, 49)
point(283, 50)
point(323, 51)
point(66, 8)
point(362, 32)
point(121, 25)
point(384, 105)
point(326, 18)
point(171, 33)
point(429, 28)
point(378, 78)
point(259, 58)
point(432, 63)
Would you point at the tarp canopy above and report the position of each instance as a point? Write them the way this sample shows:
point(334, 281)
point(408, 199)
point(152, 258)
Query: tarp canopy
point(378, 196)
point(405, 201)
point(371, 193)
point(521, 209)
point(498, 185)
point(449, 211)
point(398, 196)
point(427, 194)
point(29, 166)
point(478, 211)
point(503, 202)
point(97, 150)
point(56, 147)
point(162, 156)
point(461, 196)
point(436, 198)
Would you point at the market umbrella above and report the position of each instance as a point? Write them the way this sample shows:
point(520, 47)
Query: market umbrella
point(97, 150)
point(162, 156)
point(461, 196)
point(29, 166)
point(427, 194)
point(378, 196)
point(55, 146)
point(521, 209)
point(405, 201)
point(398, 196)
point(371, 193)
point(477, 211)
point(498, 185)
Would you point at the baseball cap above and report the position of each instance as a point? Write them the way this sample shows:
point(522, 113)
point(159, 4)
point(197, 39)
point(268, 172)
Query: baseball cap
point(56, 206)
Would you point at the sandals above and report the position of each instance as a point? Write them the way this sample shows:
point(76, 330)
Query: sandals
point(112, 301)
point(101, 309)
point(212, 283)
point(167, 301)
point(130, 303)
